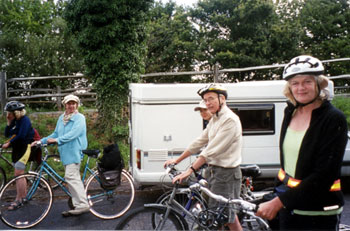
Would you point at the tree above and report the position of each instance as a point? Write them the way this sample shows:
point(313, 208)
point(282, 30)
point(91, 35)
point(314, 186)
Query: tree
point(326, 33)
point(172, 43)
point(242, 33)
point(33, 41)
point(111, 36)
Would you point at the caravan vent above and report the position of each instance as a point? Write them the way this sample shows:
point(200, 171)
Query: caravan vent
point(158, 155)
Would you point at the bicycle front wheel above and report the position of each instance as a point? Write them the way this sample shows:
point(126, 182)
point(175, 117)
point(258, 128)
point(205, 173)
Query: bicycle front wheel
point(36, 204)
point(139, 219)
point(110, 204)
point(190, 201)
point(54, 161)
point(252, 223)
point(2, 177)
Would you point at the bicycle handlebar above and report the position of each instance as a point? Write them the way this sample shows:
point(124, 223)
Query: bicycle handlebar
point(171, 170)
point(245, 205)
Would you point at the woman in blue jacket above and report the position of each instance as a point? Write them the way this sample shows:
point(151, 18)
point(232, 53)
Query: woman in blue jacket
point(312, 145)
point(70, 136)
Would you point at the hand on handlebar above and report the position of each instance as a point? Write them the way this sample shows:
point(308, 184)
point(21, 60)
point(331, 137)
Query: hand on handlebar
point(51, 141)
point(169, 162)
point(269, 209)
point(6, 145)
point(182, 176)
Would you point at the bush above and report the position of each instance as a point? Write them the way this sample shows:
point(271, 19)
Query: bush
point(343, 104)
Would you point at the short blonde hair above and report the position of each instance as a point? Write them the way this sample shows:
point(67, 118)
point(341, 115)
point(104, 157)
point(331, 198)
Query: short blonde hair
point(20, 113)
point(321, 80)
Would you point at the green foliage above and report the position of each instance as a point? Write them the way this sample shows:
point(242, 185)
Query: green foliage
point(326, 33)
point(111, 37)
point(241, 33)
point(33, 42)
point(343, 104)
point(172, 43)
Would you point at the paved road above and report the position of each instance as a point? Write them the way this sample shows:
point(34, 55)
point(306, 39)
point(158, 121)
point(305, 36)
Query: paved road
point(54, 220)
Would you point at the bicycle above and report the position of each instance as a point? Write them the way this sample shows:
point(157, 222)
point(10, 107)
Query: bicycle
point(249, 172)
point(169, 216)
point(105, 204)
point(3, 177)
point(32, 166)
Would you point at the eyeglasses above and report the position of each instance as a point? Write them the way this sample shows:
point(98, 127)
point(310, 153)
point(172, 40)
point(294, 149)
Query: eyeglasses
point(210, 99)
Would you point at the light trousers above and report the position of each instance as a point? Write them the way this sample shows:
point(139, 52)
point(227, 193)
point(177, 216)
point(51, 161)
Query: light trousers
point(76, 186)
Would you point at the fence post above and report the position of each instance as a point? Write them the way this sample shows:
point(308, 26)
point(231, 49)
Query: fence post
point(216, 73)
point(3, 91)
point(59, 100)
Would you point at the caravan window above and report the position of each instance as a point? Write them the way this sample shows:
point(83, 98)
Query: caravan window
point(256, 119)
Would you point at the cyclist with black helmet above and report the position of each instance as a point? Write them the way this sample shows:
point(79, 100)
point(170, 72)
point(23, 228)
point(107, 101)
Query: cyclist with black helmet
point(312, 145)
point(20, 132)
point(222, 143)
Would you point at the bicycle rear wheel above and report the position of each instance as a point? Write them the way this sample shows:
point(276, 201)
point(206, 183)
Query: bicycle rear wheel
point(37, 202)
point(139, 219)
point(110, 204)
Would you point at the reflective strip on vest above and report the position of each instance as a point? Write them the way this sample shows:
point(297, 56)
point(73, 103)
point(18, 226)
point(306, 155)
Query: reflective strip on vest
point(292, 182)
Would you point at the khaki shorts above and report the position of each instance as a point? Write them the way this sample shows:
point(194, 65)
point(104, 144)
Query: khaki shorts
point(225, 182)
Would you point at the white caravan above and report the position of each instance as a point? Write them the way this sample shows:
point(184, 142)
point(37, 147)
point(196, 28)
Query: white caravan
point(163, 123)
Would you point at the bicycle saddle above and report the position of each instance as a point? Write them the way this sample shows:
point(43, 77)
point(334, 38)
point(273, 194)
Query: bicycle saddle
point(92, 153)
point(251, 170)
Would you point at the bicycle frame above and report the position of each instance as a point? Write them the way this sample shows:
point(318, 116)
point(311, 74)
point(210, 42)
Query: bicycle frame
point(45, 167)
point(4, 158)
point(172, 204)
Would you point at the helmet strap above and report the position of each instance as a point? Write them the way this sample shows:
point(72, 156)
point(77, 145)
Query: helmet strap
point(220, 104)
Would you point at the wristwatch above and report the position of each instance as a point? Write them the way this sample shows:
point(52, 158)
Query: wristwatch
point(194, 170)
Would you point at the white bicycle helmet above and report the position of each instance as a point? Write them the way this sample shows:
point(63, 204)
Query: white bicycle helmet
point(214, 87)
point(303, 64)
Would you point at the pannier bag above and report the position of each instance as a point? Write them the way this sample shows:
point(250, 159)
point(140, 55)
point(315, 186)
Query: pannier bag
point(110, 167)
point(110, 179)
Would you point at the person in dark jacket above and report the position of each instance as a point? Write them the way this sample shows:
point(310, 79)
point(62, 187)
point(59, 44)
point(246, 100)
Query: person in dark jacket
point(312, 145)
point(20, 132)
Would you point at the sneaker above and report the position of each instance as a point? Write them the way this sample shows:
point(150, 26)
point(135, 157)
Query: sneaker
point(75, 212)
point(66, 214)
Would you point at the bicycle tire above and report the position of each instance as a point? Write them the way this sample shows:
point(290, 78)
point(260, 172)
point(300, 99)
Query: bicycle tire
point(110, 204)
point(54, 161)
point(2, 177)
point(183, 199)
point(38, 202)
point(251, 223)
point(139, 219)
